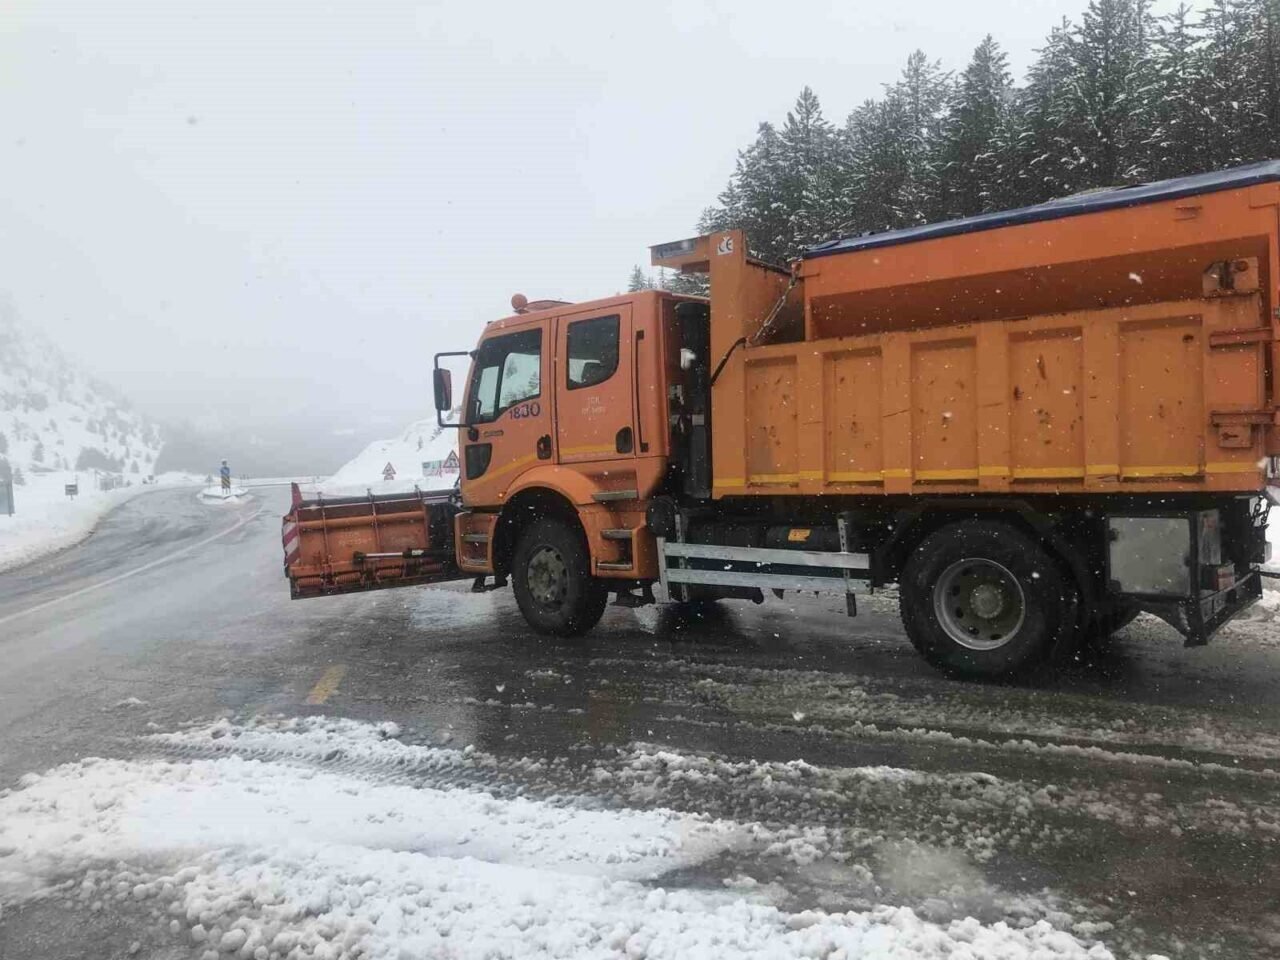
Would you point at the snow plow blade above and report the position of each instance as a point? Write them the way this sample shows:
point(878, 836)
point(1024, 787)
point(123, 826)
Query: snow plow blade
point(352, 544)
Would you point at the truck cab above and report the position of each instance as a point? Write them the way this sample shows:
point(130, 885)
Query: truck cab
point(564, 423)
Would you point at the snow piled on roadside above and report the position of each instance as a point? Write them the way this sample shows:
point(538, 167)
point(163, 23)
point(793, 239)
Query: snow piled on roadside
point(215, 494)
point(46, 521)
point(422, 442)
point(254, 858)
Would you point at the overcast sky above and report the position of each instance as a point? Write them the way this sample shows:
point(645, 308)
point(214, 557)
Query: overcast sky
point(234, 207)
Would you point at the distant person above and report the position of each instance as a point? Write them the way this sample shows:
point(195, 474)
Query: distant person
point(225, 473)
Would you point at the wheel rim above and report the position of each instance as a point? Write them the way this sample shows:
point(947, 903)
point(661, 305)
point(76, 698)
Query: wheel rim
point(979, 604)
point(548, 577)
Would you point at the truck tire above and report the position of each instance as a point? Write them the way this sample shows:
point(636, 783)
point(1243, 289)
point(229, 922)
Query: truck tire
point(551, 578)
point(981, 599)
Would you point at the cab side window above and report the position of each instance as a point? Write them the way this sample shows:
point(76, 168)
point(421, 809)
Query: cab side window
point(593, 351)
point(508, 370)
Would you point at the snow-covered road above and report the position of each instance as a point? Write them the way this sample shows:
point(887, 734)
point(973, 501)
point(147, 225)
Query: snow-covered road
point(193, 766)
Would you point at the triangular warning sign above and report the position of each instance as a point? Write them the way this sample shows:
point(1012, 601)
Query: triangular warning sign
point(388, 472)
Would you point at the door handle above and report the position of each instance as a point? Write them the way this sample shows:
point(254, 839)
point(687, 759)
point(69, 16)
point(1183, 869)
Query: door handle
point(544, 447)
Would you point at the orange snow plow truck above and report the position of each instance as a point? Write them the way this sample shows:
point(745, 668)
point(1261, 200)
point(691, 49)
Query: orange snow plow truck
point(1037, 423)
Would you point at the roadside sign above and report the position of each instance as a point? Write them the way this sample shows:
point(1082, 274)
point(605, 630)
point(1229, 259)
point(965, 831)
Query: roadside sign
point(438, 468)
point(6, 488)
point(388, 472)
point(72, 490)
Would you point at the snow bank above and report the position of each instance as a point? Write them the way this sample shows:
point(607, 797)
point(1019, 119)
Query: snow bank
point(215, 494)
point(425, 456)
point(45, 521)
point(255, 858)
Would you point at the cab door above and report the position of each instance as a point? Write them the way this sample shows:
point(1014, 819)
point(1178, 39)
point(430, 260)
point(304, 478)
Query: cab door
point(595, 393)
point(507, 412)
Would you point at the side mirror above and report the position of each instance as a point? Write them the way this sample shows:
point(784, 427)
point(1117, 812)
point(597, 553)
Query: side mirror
point(442, 381)
point(442, 386)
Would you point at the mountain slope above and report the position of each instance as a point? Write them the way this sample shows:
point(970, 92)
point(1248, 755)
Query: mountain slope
point(420, 456)
point(54, 417)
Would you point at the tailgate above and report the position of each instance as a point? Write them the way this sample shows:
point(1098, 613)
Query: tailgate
point(350, 544)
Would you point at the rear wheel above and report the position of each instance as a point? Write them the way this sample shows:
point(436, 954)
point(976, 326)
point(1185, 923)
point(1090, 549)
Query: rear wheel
point(551, 578)
point(982, 599)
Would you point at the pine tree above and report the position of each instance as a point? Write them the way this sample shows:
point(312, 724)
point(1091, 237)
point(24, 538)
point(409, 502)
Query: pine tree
point(688, 284)
point(1225, 90)
point(806, 188)
point(752, 202)
point(1044, 153)
point(889, 169)
point(920, 97)
point(1104, 102)
point(638, 281)
point(1175, 143)
point(1117, 98)
point(876, 167)
point(1261, 72)
point(970, 164)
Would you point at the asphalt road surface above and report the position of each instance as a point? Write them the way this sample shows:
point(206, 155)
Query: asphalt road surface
point(1135, 798)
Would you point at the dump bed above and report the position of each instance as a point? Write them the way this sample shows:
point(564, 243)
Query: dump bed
point(1120, 342)
point(346, 544)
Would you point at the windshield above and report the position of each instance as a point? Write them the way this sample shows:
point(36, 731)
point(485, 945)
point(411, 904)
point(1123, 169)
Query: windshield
point(507, 370)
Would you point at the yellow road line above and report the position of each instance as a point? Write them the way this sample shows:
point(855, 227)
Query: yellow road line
point(326, 685)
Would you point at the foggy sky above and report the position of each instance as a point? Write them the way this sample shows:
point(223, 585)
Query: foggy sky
point(246, 209)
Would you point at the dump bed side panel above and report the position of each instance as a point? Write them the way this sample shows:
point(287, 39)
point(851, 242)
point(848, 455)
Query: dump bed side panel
point(1153, 397)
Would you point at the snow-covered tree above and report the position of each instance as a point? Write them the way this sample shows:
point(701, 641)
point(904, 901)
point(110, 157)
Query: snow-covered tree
point(639, 280)
point(970, 166)
point(687, 284)
point(809, 181)
point(1116, 98)
point(1176, 139)
point(1105, 101)
point(753, 200)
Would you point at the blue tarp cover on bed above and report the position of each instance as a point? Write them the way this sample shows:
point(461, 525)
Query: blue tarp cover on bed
point(1112, 199)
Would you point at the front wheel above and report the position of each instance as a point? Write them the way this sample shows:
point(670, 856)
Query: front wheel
point(982, 599)
point(551, 578)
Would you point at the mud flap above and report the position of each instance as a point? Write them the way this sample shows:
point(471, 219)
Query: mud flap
point(1198, 619)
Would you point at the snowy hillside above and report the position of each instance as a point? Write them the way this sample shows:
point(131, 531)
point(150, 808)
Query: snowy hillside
point(425, 455)
point(53, 417)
